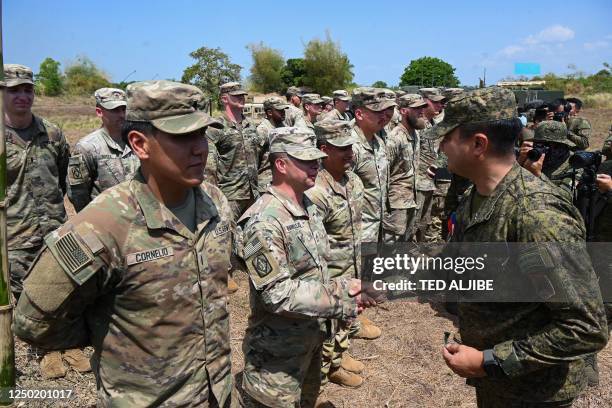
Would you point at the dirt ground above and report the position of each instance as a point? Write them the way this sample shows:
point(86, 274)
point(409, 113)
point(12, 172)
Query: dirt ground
point(404, 367)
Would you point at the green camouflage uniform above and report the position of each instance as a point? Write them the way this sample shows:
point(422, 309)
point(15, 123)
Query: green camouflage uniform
point(36, 182)
point(340, 205)
point(210, 170)
point(130, 279)
point(310, 98)
point(236, 147)
point(291, 291)
point(371, 165)
point(538, 347)
point(402, 146)
point(334, 114)
point(606, 149)
point(579, 132)
point(550, 131)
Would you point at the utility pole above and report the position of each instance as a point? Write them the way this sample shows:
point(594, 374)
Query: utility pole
point(7, 344)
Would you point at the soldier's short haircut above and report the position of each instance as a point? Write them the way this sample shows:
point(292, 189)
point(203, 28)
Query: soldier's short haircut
point(576, 102)
point(145, 128)
point(502, 134)
point(272, 158)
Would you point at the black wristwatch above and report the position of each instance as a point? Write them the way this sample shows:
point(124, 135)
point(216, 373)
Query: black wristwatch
point(491, 365)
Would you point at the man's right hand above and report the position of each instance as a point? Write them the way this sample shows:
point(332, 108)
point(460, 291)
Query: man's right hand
point(533, 167)
point(365, 294)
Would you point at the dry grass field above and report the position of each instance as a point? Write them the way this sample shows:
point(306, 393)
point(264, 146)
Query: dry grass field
point(404, 367)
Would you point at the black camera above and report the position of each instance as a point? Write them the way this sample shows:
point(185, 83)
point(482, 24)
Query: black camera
point(537, 151)
point(559, 116)
point(583, 159)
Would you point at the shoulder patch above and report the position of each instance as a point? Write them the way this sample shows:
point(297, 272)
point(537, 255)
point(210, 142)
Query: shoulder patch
point(77, 170)
point(261, 265)
point(73, 253)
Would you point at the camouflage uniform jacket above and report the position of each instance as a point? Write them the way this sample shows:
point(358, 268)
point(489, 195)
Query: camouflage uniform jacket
point(539, 345)
point(428, 156)
point(579, 132)
point(371, 165)
point(36, 183)
point(294, 117)
point(606, 149)
point(401, 147)
point(210, 170)
point(335, 115)
point(340, 204)
point(264, 173)
point(146, 292)
point(236, 147)
point(97, 163)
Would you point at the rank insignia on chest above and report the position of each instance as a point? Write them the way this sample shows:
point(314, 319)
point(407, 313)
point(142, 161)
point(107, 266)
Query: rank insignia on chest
point(261, 265)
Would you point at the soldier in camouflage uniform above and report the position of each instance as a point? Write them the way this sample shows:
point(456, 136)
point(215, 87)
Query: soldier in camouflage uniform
point(141, 273)
point(579, 128)
point(328, 104)
point(291, 290)
point(294, 115)
point(402, 150)
point(37, 157)
point(554, 164)
point(338, 193)
point(341, 104)
point(606, 149)
point(313, 106)
point(526, 354)
point(371, 165)
point(101, 159)
point(275, 110)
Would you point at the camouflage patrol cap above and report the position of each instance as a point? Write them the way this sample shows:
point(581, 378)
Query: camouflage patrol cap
point(342, 95)
point(169, 106)
point(110, 98)
point(327, 99)
point(389, 94)
point(15, 74)
point(552, 131)
point(274, 102)
point(399, 93)
point(294, 90)
point(232, 88)
point(371, 98)
point(480, 105)
point(450, 93)
point(296, 142)
point(433, 94)
point(411, 101)
point(335, 132)
point(311, 98)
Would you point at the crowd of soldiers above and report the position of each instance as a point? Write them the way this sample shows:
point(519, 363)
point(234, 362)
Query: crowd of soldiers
point(171, 202)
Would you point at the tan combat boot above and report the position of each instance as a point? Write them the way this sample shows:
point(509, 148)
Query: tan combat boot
point(368, 330)
point(51, 365)
point(232, 286)
point(77, 360)
point(350, 364)
point(345, 378)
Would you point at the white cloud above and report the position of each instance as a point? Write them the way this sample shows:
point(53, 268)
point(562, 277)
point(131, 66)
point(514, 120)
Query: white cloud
point(596, 45)
point(511, 50)
point(555, 33)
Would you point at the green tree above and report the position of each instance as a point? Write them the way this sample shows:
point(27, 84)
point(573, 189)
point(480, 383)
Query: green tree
point(83, 77)
point(429, 71)
point(212, 69)
point(49, 78)
point(267, 68)
point(327, 67)
point(293, 72)
point(380, 84)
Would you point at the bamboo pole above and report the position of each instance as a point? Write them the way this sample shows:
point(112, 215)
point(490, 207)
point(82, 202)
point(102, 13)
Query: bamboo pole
point(7, 345)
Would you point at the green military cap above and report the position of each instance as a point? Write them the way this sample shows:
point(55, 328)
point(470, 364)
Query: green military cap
point(311, 98)
point(294, 90)
point(327, 99)
point(171, 107)
point(274, 102)
point(450, 93)
point(297, 142)
point(342, 95)
point(389, 94)
point(110, 98)
point(371, 98)
point(232, 88)
point(335, 132)
point(552, 131)
point(480, 105)
point(15, 74)
point(433, 94)
point(411, 101)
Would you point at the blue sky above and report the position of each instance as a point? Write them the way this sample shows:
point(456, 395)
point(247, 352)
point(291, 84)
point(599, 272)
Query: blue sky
point(380, 37)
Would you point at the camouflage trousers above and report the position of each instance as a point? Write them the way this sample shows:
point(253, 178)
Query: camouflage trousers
point(424, 201)
point(20, 261)
point(399, 225)
point(491, 399)
point(283, 379)
point(335, 346)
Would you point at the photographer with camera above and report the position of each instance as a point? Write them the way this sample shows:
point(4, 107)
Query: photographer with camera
point(548, 154)
point(579, 128)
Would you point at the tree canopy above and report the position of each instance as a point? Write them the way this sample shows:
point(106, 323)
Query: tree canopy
point(326, 67)
point(267, 68)
point(429, 71)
